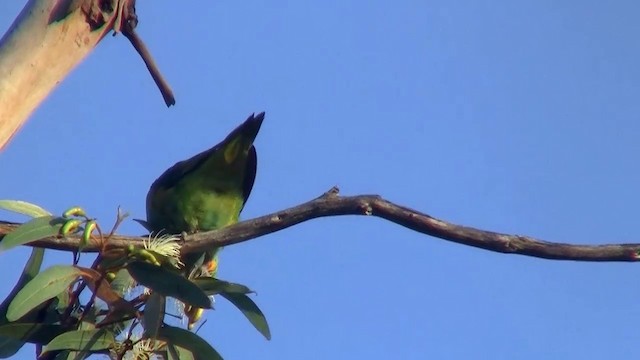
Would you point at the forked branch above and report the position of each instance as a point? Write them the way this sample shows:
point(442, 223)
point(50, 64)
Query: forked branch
point(332, 204)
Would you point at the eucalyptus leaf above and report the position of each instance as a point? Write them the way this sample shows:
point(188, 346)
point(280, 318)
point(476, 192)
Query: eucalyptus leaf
point(66, 355)
point(251, 311)
point(178, 353)
point(168, 283)
point(153, 314)
point(123, 282)
point(9, 345)
point(35, 229)
point(82, 340)
point(44, 314)
point(23, 207)
point(213, 286)
point(44, 286)
point(36, 333)
point(64, 299)
point(31, 269)
point(199, 348)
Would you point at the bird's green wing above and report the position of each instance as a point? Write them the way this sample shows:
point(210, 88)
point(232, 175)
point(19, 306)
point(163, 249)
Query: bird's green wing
point(249, 174)
point(177, 172)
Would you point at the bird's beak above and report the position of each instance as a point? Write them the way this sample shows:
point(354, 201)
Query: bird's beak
point(241, 138)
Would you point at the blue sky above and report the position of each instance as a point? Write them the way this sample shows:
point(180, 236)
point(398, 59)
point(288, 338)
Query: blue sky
point(512, 116)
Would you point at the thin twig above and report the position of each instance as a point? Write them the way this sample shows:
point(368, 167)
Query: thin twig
point(127, 27)
point(161, 82)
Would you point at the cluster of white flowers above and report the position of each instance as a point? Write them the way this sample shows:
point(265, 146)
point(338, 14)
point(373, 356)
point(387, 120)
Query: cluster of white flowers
point(164, 244)
point(142, 349)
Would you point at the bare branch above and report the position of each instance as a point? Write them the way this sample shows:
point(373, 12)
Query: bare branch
point(161, 82)
point(128, 22)
point(331, 204)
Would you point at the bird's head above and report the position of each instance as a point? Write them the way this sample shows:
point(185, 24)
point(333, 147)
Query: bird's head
point(238, 143)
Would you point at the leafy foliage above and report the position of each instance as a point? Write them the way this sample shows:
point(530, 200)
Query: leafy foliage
point(168, 283)
point(82, 340)
point(200, 349)
point(58, 310)
point(31, 332)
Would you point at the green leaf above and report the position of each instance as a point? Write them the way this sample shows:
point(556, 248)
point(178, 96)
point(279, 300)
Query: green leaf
point(123, 282)
point(168, 283)
point(63, 301)
point(112, 263)
point(213, 286)
point(251, 311)
point(31, 269)
point(9, 345)
point(36, 229)
point(44, 314)
point(46, 285)
point(178, 353)
point(153, 314)
point(67, 355)
point(23, 207)
point(36, 333)
point(199, 348)
point(83, 340)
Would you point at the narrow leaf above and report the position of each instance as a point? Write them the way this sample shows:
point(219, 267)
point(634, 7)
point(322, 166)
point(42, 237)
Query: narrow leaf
point(31, 269)
point(83, 340)
point(251, 311)
point(213, 286)
point(168, 283)
point(67, 355)
point(9, 345)
point(178, 353)
point(63, 300)
point(46, 285)
point(44, 314)
point(23, 207)
point(199, 348)
point(113, 259)
point(153, 314)
point(36, 229)
point(123, 282)
point(32, 332)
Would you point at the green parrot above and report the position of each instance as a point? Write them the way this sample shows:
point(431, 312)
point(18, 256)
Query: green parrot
point(206, 192)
